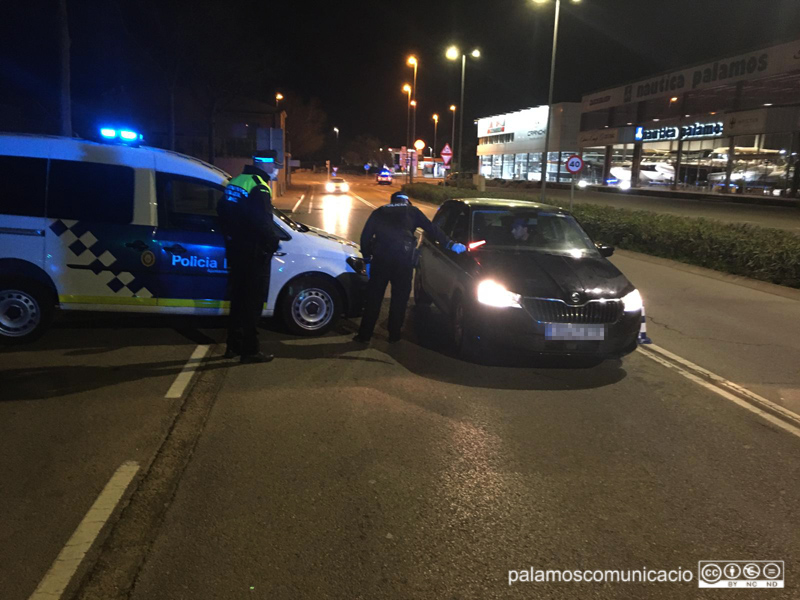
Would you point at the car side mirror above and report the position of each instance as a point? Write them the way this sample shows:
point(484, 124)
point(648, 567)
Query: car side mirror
point(605, 250)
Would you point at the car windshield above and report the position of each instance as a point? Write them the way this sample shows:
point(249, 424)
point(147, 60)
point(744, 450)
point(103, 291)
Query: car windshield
point(285, 218)
point(337, 180)
point(530, 230)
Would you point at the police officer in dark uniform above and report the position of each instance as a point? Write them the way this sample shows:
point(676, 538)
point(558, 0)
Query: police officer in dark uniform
point(389, 247)
point(250, 240)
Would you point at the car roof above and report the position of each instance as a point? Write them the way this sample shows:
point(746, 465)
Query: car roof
point(507, 203)
point(143, 157)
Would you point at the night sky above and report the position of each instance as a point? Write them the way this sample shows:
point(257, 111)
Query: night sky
point(351, 55)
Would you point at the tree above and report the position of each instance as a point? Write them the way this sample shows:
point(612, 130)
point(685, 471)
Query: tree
point(364, 149)
point(305, 126)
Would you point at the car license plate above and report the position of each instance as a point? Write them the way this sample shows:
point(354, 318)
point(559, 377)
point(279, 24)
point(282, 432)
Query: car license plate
point(571, 332)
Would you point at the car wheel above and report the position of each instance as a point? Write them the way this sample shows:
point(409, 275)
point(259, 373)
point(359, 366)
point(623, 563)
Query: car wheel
point(311, 306)
point(26, 308)
point(421, 298)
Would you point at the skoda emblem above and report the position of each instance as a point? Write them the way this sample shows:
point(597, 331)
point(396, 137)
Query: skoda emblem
point(576, 297)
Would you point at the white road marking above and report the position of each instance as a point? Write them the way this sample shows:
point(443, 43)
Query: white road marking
point(69, 559)
point(299, 202)
point(370, 204)
point(660, 355)
point(185, 376)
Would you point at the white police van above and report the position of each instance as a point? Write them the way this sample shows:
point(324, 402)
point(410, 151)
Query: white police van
point(114, 227)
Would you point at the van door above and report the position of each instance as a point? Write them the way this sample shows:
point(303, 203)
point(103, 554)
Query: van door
point(22, 221)
point(95, 255)
point(190, 260)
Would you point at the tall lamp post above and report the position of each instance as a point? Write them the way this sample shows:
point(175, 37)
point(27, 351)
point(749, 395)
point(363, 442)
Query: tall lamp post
point(453, 53)
point(435, 127)
point(412, 62)
point(339, 158)
point(453, 140)
point(407, 90)
point(278, 98)
point(550, 93)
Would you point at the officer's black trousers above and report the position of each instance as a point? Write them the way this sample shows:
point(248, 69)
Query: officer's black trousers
point(382, 273)
point(248, 286)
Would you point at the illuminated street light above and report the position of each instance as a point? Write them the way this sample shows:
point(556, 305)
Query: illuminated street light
point(435, 127)
point(278, 98)
point(550, 95)
point(453, 53)
point(453, 141)
point(413, 62)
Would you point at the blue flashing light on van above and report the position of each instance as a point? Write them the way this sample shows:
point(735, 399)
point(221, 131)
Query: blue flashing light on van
point(126, 136)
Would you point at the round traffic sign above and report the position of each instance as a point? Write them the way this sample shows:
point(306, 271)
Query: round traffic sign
point(574, 164)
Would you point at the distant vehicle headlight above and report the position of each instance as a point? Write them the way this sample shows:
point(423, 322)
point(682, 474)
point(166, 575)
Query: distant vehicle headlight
point(330, 187)
point(624, 185)
point(582, 183)
point(633, 302)
point(345, 187)
point(492, 293)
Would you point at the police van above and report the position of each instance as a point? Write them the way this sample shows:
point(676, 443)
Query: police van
point(120, 227)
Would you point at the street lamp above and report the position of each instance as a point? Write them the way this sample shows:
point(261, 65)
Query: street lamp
point(550, 94)
point(336, 131)
point(278, 98)
point(412, 62)
point(453, 53)
point(435, 127)
point(407, 90)
point(453, 141)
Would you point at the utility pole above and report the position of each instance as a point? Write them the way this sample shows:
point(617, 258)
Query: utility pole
point(66, 103)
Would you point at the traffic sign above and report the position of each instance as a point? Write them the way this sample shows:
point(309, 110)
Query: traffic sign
point(446, 154)
point(366, 166)
point(574, 164)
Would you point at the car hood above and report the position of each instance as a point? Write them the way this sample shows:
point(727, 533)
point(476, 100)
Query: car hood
point(535, 274)
point(331, 241)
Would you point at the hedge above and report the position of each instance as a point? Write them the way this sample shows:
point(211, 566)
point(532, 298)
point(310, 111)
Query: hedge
point(757, 252)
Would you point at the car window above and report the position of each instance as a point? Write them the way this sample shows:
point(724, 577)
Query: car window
point(526, 229)
point(461, 227)
point(188, 204)
point(24, 183)
point(87, 191)
point(445, 218)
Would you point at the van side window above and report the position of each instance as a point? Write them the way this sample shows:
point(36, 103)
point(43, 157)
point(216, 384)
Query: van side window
point(187, 204)
point(87, 191)
point(23, 186)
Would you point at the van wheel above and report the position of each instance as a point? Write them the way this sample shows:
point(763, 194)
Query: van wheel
point(421, 298)
point(26, 309)
point(310, 306)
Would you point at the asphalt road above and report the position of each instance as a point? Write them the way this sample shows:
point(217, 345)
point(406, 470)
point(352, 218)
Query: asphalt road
point(400, 471)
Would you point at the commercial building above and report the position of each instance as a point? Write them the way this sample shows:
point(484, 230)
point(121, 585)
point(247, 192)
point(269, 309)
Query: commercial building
point(510, 146)
point(728, 125)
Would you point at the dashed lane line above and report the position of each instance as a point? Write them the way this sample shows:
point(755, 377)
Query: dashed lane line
point(66, 564)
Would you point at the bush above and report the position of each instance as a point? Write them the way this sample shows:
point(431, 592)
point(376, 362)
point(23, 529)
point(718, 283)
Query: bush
point(757, 252)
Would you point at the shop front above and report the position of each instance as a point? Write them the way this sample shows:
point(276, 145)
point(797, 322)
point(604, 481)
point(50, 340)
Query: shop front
point(727, 126)
point(511, 146)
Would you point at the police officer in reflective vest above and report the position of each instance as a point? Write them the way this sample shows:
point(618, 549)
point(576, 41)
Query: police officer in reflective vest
point(250, 240)
point(389, 247)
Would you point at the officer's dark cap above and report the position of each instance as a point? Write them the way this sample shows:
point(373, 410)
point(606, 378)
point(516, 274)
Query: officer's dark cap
point(399, 198)
point(267, 156)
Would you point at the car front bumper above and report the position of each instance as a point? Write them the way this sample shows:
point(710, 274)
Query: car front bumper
point(515, 328)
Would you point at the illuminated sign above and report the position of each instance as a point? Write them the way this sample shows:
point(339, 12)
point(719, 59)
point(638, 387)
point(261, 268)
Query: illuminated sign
point(497, 126)
point(697, 130)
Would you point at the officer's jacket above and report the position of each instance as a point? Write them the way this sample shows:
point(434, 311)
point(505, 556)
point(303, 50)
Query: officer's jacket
point(389, 232)
point(245, 213)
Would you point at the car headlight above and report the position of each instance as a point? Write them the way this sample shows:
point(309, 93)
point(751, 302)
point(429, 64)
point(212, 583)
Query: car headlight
point(633, 301)
point(357, 264)
point(492, 293)
point(345, 187)
point(329, 187)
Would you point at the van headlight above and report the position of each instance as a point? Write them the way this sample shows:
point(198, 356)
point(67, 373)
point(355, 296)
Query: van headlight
point(633, 301)
point(492, 293)
point(358, 265)
point(329, 187)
